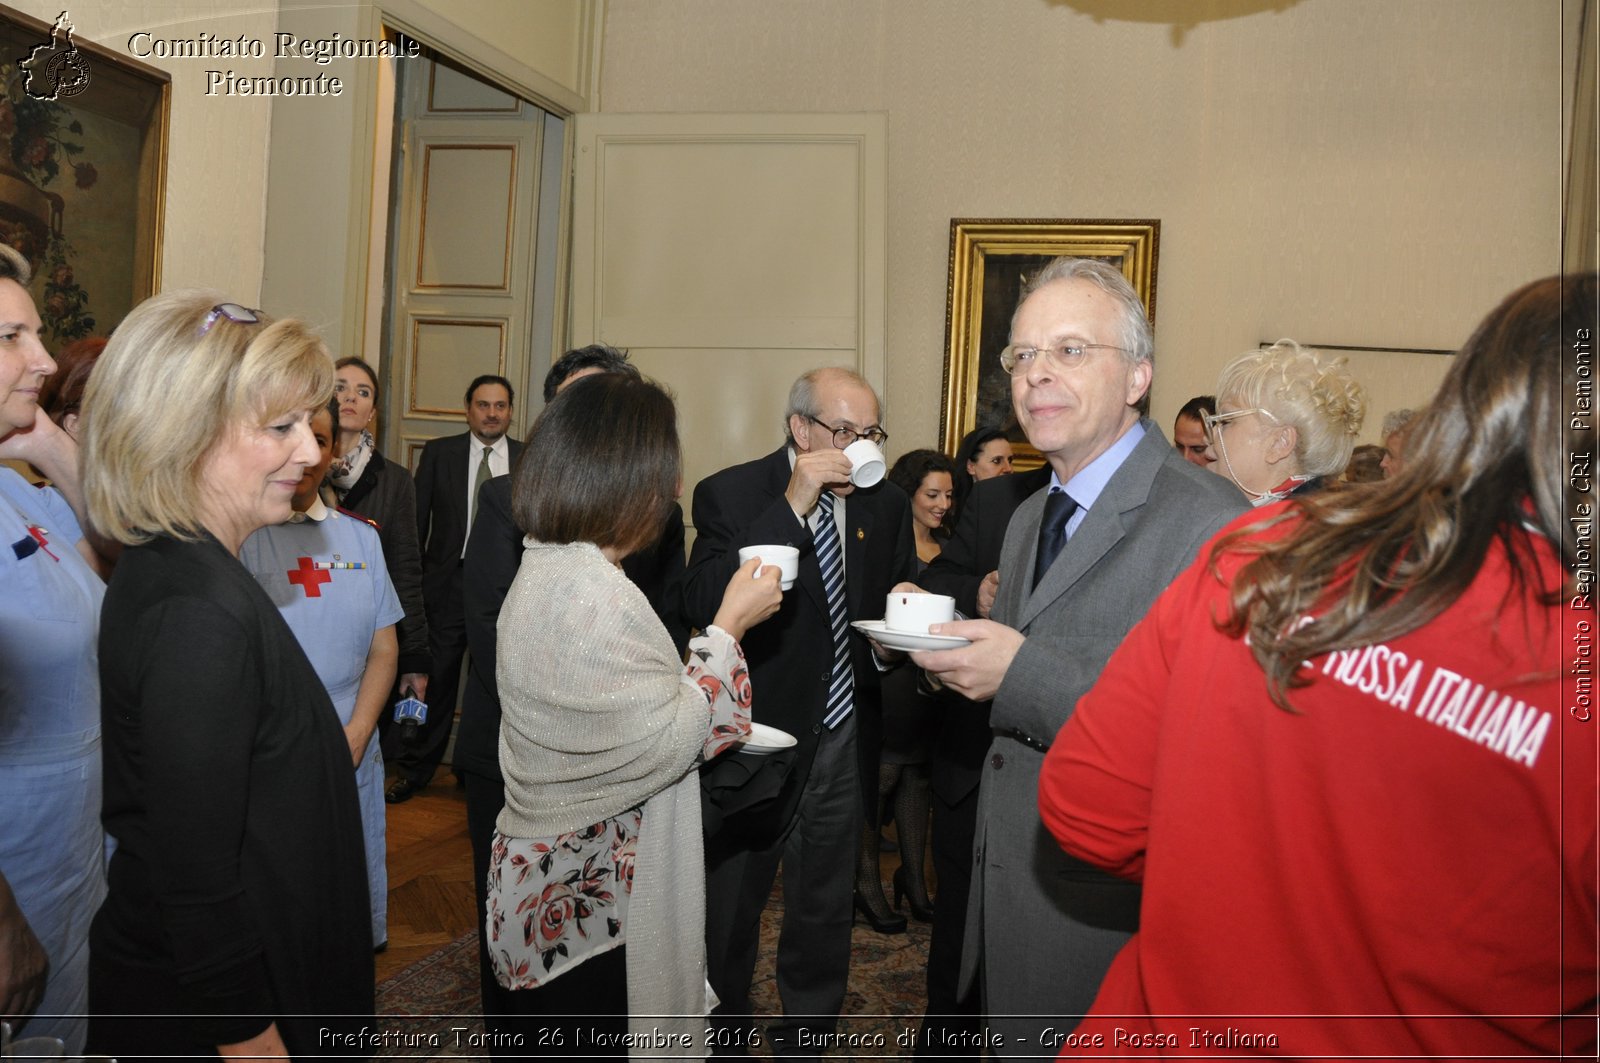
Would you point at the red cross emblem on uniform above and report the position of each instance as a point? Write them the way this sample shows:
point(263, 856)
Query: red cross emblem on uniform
point(309, 577)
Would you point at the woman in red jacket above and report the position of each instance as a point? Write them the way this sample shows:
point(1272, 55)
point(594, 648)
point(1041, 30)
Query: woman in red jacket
point(1351, 755)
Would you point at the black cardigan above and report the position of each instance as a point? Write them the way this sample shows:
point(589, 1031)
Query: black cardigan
point(385, 494)
point(238, 890)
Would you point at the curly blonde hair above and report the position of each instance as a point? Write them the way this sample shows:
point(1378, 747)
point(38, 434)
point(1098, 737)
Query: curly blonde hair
point(1488, 463)
point(1303, 388)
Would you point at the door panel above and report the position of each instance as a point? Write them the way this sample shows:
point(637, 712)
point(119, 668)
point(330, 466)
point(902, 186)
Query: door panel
point(729, 254)
point(462, 301)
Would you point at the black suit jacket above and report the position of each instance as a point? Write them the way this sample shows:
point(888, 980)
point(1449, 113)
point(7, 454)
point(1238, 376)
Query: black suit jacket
point(442, 510)
point(791, 653)
point(494, 552)
point(962, 738)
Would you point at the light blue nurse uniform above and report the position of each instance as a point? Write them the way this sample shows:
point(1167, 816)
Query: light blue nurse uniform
point(52, 849)
point(324, 570)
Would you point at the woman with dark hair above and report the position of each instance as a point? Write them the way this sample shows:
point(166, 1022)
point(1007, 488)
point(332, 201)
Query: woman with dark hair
point(983, 453)
point(596, 880)
point(1343, 752)
point(363, 482)
point(926, 476)
point(346, 629)
point(61, 398)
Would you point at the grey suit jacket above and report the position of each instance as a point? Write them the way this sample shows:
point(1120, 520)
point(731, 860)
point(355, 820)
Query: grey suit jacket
point(1050, 925)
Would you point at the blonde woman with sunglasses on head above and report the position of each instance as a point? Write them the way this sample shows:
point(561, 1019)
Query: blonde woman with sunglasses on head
point(236, 920)
point(1287, 419)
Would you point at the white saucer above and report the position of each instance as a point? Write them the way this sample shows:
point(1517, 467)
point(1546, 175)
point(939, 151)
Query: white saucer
point(764, 739)
point(907, 640)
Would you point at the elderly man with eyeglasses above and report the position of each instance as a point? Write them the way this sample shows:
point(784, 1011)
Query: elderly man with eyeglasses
point(1081, 561)
point(816, 680)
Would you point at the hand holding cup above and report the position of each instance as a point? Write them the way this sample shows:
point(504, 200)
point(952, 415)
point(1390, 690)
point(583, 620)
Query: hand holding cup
point(753, 594)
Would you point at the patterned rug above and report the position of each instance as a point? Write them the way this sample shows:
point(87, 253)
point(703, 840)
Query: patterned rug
point(430, 1007)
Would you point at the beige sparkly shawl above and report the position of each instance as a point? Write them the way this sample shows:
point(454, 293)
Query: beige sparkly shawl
point(597, 717)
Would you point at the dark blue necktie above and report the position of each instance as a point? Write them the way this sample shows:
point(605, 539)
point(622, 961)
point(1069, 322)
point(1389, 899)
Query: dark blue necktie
point(830, 558)
point(1058, 509)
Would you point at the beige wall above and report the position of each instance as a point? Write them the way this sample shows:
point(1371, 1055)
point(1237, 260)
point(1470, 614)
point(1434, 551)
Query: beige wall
point(1362, 172)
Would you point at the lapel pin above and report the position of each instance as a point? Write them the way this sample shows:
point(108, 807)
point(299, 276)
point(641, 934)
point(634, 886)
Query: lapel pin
point(860, 534)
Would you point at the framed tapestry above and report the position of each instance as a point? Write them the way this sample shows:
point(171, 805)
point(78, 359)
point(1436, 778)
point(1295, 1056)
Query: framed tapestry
point(83, 138)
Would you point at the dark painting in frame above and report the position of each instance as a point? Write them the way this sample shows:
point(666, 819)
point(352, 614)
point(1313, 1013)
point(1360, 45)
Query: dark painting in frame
point(82, 174)
point(990, 260)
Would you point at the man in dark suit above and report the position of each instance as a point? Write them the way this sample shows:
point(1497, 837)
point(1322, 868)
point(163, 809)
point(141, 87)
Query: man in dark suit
point(449, 474)
point(967, 570)
point(822, 690)
point(1080, 564)
point(494, 552)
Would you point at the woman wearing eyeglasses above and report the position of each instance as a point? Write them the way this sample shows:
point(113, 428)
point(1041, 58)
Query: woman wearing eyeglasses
point(1287, 418)
point(236, 919)
point(1350, 753)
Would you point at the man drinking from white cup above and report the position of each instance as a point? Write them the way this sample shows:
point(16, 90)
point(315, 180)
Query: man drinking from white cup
point(821, 686)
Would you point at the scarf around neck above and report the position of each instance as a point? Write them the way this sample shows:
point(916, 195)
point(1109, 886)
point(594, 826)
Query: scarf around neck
point(345, 471)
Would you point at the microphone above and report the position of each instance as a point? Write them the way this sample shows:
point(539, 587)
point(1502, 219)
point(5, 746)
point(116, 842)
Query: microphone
point(410, 714)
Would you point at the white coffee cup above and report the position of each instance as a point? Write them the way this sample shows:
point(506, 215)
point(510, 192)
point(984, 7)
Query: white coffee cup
point(866, 462)
point(913, 612)
point(786, 559)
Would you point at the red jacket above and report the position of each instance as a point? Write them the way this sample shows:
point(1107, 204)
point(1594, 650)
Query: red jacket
point(1407, 865)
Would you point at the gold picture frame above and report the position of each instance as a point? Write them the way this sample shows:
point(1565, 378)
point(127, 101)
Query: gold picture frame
point(83, 156)
point(989, 260)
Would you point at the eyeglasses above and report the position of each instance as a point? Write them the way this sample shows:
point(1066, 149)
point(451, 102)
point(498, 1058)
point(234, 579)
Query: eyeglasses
point(240, 315)
point(1015, 359)
point(843, 437)
point(1214, 421)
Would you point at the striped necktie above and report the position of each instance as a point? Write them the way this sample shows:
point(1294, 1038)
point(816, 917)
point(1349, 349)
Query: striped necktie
point(830, 558)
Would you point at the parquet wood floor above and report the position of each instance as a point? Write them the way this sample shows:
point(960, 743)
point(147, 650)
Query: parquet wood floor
point(430, 874)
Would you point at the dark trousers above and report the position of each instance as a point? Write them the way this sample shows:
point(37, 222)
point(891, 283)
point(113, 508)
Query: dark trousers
point(486, 796)
point(562, 1018)
point(417, 760)
point(952, 1023)
point(818, 854)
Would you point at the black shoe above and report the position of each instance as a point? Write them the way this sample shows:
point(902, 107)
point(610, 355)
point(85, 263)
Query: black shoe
point(402, 789)
point(884, 923)
point(921, 908)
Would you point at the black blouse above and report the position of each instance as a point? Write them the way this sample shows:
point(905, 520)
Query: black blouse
point(238, 890)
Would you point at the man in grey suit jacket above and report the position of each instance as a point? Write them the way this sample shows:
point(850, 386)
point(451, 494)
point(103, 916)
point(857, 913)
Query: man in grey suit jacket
point(1076, 573)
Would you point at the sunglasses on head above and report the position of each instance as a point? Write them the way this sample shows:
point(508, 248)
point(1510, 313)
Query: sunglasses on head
point(241, 315)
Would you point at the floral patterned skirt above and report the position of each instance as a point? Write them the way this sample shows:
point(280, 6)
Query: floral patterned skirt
point(554, 902)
